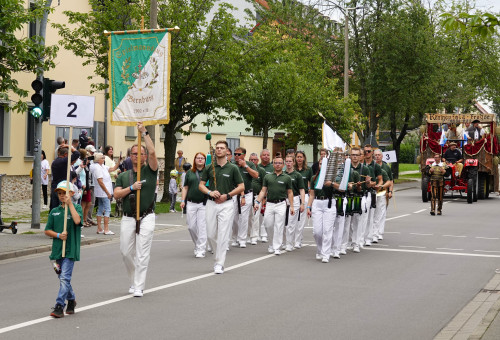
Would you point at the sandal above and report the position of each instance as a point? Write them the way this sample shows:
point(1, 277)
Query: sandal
point(100, 232)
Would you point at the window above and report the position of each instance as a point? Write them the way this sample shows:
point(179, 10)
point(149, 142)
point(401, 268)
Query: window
point(30, 134)
point(4, 130)
point(131, 133)
point(233, 143)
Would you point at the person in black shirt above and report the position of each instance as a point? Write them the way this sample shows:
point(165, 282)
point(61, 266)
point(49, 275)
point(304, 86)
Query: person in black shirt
point(59, 171)
point(454, 156)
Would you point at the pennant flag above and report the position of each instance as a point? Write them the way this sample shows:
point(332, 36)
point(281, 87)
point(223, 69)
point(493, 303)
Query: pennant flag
point(322, 174)
point(465, 137)
point(139, 73)
point(331, 139)
point(442, 140)
point(345, 178)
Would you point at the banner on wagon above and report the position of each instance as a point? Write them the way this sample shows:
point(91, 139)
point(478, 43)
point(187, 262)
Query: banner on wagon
point(139, 73)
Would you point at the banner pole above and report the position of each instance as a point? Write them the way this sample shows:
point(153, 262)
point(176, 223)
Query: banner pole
point(138, 196)
point(68, 188)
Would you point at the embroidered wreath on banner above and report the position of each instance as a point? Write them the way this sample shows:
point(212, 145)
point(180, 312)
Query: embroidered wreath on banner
point(140, 75)
point(125, 75)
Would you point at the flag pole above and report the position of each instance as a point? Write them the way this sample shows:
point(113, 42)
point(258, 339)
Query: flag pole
point(68, 188)
point(331, 127)
point(138, 196)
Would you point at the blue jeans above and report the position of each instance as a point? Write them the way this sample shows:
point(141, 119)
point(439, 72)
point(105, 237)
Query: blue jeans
point(173, 199)
point(65, 289)
point(104, 208)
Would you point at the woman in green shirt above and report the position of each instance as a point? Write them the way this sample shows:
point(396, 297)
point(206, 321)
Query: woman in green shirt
point(306, 173)
point(194, 201)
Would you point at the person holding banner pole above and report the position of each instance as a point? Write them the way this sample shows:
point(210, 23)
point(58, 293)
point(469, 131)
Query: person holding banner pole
point(383, 196)
point(135, 245)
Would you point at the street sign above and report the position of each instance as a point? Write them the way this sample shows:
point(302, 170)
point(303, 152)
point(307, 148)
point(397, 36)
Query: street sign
point(389, 156)
point(69, 110)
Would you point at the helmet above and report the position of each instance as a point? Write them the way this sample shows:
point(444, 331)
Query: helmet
point(173, 173)
point(186, 166)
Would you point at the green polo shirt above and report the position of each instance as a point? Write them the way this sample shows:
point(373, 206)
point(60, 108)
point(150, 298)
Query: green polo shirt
point(385, 177)
point(227, 177)
point(192, 182)
point(55, 223)
point(362, 170)
point(307, 175)
point(277, 186)
point(376, 169)
point(247, 179)
point(147, 190)
point(268, 168)
point(257, 182)
point(297, 182)
point(387, 169)
point(354, 177)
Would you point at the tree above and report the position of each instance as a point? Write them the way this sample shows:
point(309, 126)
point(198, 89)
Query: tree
point(202, 63)
point(20, 54)
point(482, 24)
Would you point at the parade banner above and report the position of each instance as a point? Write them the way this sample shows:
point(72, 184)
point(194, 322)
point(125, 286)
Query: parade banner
point(331, 139)
point(139, 73)
point(459, 118)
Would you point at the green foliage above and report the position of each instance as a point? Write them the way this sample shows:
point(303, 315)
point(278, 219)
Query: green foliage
point(407, 154)
point(21, 54)
point(480, 24)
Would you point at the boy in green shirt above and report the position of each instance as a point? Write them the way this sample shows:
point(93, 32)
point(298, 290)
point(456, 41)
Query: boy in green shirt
point(72, 235)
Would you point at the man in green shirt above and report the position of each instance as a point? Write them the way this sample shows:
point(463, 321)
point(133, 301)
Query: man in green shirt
point(225, 182)
point(136, 236)
point(375, 184)
point(248, 172)
point(265, 161)
point(384, 194)
point(256, 217)
point(64, 263)
point(298, 189)
point(277, 186)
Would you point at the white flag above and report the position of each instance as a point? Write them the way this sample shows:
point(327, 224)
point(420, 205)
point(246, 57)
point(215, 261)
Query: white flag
point(330, 139)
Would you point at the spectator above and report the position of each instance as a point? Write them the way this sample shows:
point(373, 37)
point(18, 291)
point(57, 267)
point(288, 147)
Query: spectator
point(90, 183)
point(179, 161)
point(83, 139)
point(103, 190)
point(59, 171)
point(172, 189)
point(45, 167)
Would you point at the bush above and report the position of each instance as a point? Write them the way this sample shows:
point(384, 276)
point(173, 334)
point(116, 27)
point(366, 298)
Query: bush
point(407, 154)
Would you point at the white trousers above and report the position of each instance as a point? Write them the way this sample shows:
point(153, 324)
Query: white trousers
point(323, 219)
point(366, 222)
point(291, 228)
point(345, 234)
point(356, 220)
point(219, 218)
point(136, 248)
point(240, 221)
point(256, 219)
point(197, 227)
point(338, 229)
point(379, 216)
point(274, 220)
point(299, 229)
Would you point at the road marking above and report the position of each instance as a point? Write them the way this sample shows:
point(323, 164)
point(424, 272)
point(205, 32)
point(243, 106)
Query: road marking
point(392, 232)
point(393, 218)
point(161, 240)
point(413, 247)
point(461, 236)
point(186, 240)
point(488, 251)
point(170, 225)
point(421, 234)
point(434, 252)
point(487, 238)
point(380, 245)
point(448, 249)
point(130, 296)
point(419, 211)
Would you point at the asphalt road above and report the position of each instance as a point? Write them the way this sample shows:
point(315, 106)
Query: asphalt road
point(409, 286)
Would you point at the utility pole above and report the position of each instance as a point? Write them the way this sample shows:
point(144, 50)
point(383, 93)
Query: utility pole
point(37, 149)
point(153, 23)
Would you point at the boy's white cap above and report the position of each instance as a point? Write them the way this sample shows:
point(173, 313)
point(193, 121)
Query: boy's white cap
point(64, 186)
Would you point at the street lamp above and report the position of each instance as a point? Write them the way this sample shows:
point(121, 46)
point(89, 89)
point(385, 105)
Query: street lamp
point(346, 52)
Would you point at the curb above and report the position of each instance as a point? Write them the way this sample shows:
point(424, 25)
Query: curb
point(41, 249)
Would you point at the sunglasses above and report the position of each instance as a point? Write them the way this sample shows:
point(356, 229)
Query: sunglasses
point(238, 154)
point(368, 151)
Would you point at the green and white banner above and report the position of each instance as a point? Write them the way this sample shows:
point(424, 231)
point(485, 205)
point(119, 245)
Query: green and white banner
point(139, 73)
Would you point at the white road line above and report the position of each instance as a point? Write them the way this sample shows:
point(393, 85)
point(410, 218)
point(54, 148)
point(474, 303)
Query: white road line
point(419, 211)
point(380, 245)
point(392, 232)
point(488, 251)
point(487, 238)
point(161, 240)
point(462, 236)
point(421, 234)
point(169, 225)
point(129, 296)
point(448, 249)
point(186, 240)
point(393, 218)
point(413, 247)
point(434, 252)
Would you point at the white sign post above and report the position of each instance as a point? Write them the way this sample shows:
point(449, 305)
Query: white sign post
point(389, 156)
point(69, 110)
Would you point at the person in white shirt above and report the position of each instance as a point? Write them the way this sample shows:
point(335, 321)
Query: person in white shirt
point(103, 189)
point(45, 166)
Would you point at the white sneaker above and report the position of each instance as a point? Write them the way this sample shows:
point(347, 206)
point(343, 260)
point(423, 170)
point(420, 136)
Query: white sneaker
point(277, 252)
point(325, 260)
point(318, 257)
point(343, 252)
point(289, 248)
point(375, 239)
point(243, 244)
point(336, 255)
point(368, 243)
point(297, 246)
point(283, 247)
point(380, 237)
point(209, 249)
point(218, 269)
point(138, 293)
point(264, 239)
point(131, 290)
point(253, 241)
point(234, 244)
point(172, 211)
point(270, 250)
point(355, 249)
point(349, 247)
point(200, 255)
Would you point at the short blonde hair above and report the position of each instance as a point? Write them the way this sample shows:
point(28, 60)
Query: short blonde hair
point(98, 156)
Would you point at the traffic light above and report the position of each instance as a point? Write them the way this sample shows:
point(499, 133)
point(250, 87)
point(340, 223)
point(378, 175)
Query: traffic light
point(36, 98)
point(49, 86)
